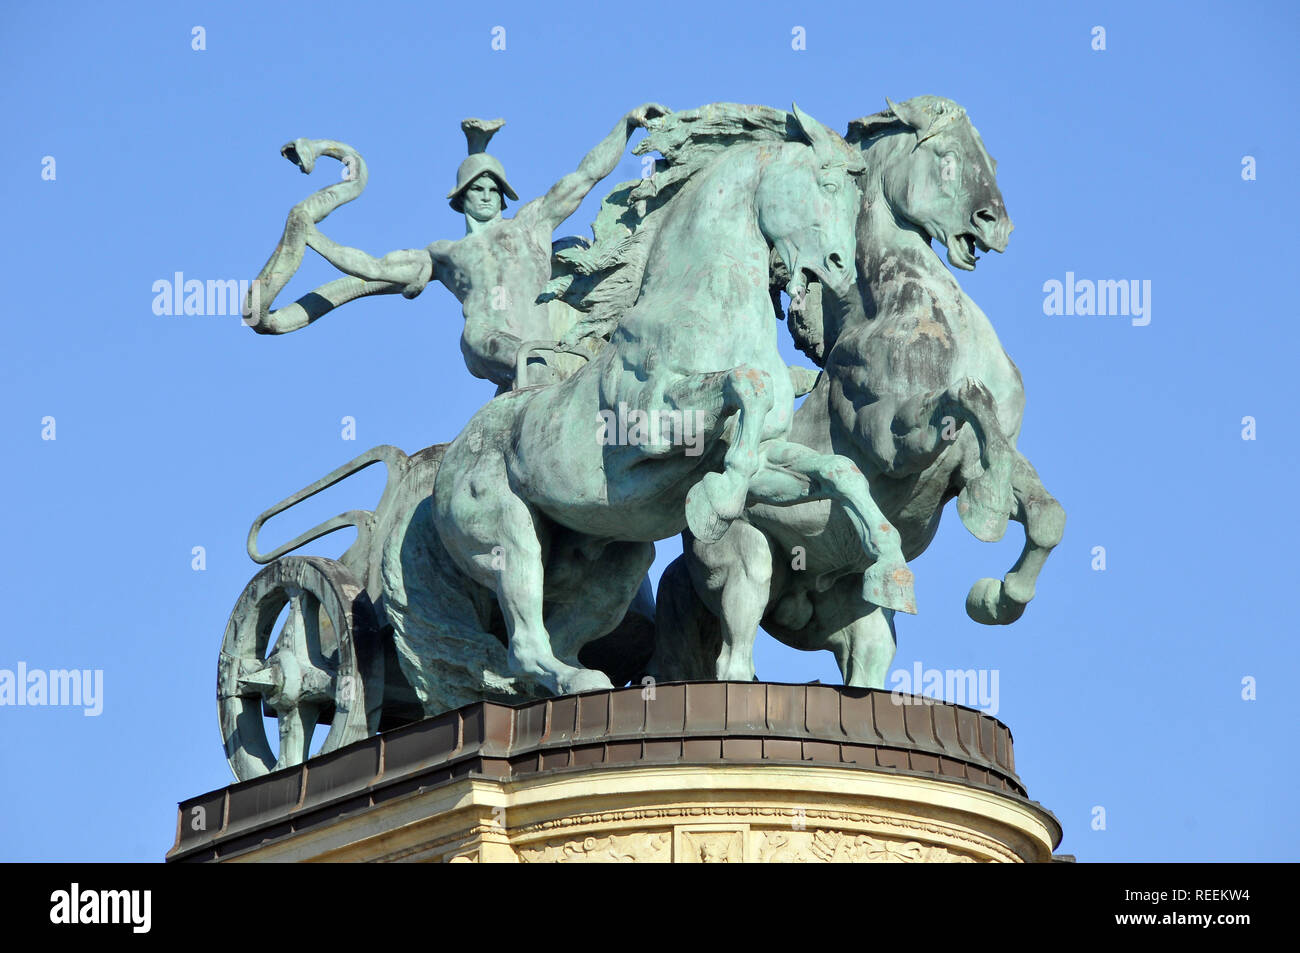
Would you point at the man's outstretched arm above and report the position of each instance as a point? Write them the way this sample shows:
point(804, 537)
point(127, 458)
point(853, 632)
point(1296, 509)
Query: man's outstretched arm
point(407, 271)
point(566, 195)
point(412, 267)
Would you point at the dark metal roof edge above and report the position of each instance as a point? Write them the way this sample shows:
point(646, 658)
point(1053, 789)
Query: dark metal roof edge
point(483, 748)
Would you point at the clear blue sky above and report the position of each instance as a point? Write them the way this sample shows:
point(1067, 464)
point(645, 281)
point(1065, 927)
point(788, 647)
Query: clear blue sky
point(1122, 688)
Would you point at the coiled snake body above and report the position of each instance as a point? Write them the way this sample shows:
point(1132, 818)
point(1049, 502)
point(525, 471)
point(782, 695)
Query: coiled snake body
point(299, 227)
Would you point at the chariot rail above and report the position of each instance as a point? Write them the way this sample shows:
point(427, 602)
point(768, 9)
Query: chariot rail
point(326, 665)
point(363, 520)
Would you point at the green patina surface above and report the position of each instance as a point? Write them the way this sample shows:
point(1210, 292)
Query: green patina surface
point(641, 394)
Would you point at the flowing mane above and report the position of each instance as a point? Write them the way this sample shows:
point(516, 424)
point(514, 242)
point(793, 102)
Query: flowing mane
point(604, 279)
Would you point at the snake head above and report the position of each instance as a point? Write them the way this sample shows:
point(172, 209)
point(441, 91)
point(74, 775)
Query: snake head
point(300, 153)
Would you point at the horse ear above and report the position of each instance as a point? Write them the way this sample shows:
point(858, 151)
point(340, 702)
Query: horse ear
point(868, 126)
point(823, 140)
point(912, 114)
point(809, 126)
point(927, 115)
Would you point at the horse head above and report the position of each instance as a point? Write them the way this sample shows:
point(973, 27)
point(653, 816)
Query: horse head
point(935, 173)
point(807, 203)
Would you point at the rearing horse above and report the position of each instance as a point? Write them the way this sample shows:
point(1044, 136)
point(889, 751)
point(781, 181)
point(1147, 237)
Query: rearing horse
point(917, 390)
point(696, 340)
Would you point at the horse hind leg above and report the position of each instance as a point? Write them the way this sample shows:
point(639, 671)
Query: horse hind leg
point(688, 635)
point(860, 635)
point(1001, 602)
point(738, 573)
point(869, 646)
point(590, 589)
point(492, 534)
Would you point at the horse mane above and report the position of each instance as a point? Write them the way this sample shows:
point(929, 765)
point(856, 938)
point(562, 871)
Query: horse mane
point(604, 279)
point(939, 112)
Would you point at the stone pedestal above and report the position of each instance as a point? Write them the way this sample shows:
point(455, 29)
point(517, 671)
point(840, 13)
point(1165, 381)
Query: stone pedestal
point(691, 773)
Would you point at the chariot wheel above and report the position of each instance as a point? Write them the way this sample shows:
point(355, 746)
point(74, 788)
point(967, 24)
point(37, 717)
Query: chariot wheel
point(325, 665)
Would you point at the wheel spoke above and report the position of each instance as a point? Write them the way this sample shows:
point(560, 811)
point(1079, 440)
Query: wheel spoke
point(299, 689)
point(258, 678)
point(291, 636)
point(296, 727)
point(297, 671)
point(302, 674)
point(308, 648)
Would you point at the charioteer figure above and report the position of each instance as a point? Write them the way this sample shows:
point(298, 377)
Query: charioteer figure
point(498, 270)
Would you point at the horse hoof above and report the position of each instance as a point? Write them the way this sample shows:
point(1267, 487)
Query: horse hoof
point(734, 666)
point(584, 680)
point(985, 603)
point(890, 586)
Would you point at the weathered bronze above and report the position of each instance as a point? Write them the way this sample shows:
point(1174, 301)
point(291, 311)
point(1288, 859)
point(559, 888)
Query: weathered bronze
point(917, 391)
point(641, 394)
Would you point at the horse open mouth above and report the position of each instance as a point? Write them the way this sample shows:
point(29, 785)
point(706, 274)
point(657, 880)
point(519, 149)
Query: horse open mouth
point(833, 275)
point(961, 250)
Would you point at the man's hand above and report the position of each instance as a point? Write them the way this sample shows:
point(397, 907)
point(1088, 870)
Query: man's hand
point(642, 115)
point(564, 197)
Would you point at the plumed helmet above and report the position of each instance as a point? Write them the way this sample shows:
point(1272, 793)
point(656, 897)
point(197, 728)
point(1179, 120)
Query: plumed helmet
point(478, 132)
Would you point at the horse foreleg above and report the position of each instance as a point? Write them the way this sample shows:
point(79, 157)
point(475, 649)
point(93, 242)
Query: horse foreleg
point(931, 420)
point(995, 602)
point(719, 498)
point(795, 473)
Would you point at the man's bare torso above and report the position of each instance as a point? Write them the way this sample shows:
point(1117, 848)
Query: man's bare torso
point(510, 263)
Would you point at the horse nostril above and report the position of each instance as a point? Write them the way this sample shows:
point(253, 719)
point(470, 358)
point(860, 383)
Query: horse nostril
point(984, 215)
point(835, 260)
